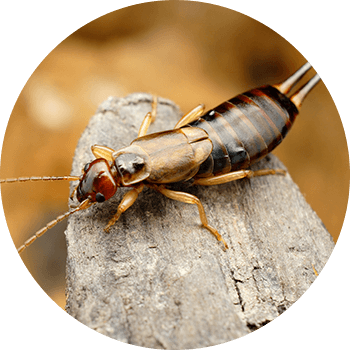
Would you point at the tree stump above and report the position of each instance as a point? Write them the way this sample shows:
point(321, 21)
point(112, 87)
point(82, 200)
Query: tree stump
point(158, 279)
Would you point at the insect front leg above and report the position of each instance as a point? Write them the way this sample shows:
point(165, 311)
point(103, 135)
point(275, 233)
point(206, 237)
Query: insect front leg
point(71, 197)
point(191, 199)
point(127, 201)
point(103, 152)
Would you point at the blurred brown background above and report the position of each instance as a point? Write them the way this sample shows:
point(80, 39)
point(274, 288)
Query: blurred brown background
point(190, 53)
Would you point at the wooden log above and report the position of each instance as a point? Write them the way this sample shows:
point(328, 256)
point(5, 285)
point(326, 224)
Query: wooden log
point(158, 279)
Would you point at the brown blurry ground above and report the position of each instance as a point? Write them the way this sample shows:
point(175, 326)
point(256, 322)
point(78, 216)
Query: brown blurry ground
point(190, 53)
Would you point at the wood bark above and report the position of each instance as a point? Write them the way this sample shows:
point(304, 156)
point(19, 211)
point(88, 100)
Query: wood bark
point(158, 279)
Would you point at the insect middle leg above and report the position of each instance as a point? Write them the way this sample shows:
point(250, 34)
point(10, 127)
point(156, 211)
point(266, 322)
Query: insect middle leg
point(127, 201)
point(149, 118)
point(190, 116)
point(236, 175)
point(191, 199)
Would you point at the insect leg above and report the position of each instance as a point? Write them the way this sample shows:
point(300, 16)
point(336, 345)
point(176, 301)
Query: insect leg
point(73, 192)
point(189, 198)
point(103, 152)
point(236, 175)
point(154, 108)
point(191, 116)
point(145, 124)
point(149, 118)
point(127, 201)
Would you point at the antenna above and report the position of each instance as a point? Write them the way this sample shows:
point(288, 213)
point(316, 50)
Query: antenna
point(41, 178)
point(83, 205)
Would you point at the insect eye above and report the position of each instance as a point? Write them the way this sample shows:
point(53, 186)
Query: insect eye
point(86, 167)
point(100, 197)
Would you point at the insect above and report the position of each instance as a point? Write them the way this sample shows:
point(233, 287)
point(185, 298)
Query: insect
point(203, 149)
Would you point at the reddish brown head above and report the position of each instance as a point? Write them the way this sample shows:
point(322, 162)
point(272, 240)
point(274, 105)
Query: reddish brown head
point(98, 183)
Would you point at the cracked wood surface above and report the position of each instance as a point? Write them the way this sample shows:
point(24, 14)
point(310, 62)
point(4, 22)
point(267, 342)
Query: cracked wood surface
point(159, 279)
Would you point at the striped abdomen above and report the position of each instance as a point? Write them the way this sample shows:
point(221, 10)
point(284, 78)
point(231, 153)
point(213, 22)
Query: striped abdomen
point(245, 129)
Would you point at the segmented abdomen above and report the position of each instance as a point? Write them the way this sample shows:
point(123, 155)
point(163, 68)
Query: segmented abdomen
point(245, 129)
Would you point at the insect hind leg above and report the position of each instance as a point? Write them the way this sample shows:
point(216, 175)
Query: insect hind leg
point(191, 199)
point(236, 175)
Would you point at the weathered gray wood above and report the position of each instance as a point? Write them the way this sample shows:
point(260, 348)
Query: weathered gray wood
point(159, 279)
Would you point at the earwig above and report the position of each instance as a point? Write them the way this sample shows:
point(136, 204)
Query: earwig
point(203, 149)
